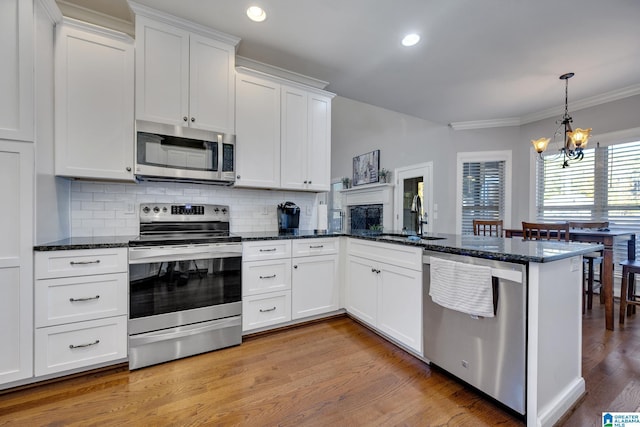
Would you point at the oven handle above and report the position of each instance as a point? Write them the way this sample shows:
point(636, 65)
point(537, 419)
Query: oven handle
point(183, 331)
point(143, 255)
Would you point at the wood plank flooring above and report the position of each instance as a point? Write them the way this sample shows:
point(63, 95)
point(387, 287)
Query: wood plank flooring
point(333, 372)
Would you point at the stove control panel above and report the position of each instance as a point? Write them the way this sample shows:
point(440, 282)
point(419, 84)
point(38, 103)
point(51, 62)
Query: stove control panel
point(159, 212)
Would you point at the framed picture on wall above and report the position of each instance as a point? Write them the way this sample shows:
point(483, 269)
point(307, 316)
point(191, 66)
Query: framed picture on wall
point(365, 168)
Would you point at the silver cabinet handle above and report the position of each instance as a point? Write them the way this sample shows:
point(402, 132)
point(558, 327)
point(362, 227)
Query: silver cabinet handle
point(268, 250)
point(268, 277)
point(84, 299)
point(193, 119)
point(84, 262)
point(268, 309)
point(71, 346)
point(128, 168)
point(185, 118)
point(316, 247)
point(374, 270)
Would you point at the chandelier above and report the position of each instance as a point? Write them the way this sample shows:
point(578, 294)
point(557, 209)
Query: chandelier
point(573, 141)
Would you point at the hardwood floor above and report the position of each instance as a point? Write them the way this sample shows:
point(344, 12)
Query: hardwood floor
point(333, 372)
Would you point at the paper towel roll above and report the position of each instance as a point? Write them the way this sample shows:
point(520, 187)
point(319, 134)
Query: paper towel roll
point(323, 219)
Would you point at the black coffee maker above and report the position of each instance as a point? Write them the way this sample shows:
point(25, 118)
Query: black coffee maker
point(288, 217)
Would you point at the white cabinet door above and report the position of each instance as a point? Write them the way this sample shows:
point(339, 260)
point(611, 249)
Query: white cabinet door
point(362, 290)
point(294, 138)
point(314, 285)
point(162, 73)
point(16, 73)
point(400, 305)
point(319, 143)
point(94, 118)
point(306, 140)
point(16, 261)
point(212, 80)
point(257, 132)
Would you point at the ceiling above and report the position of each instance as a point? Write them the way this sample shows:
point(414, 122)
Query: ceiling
point(480, 61)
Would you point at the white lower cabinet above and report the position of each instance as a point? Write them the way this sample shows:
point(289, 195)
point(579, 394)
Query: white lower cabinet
point(78, 345)
point(266, 283)
point(16, 260)
point(81, 309)
point(386, 295)
point(266, 309)
point(314, 285)
point(284, 280)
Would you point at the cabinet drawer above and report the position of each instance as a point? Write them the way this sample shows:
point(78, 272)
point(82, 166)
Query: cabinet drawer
point(399, 255)
point(266, 249)
point(265, 276)
point(82, 262)
point(266, 309)
point(308, 247)
point(78, 345)
point(74, 299)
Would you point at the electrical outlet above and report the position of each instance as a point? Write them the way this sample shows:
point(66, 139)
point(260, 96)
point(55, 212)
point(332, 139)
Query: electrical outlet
point(131, 208)
point(265, 210)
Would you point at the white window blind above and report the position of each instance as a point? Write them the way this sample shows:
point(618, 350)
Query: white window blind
point(604, 186)
point(483, 192)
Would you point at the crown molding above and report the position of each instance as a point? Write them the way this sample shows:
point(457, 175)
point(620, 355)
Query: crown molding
point(84, 14)
point(252, 64)
point(191, 26)
point(52, 10)
point(550, 112)
point(581, 104)
point(484, 124)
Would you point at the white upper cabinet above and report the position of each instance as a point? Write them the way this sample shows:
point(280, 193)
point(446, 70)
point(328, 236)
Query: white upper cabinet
point(184, 73)
point(286, 125)
point(16, 73)
point(257, 132)
point(94, 116)
point(306, 140)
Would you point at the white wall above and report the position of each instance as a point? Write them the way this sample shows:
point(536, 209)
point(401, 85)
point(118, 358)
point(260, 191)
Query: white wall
point(404, 140)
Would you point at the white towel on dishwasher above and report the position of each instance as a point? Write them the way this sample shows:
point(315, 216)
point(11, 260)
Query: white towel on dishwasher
point(462, 287)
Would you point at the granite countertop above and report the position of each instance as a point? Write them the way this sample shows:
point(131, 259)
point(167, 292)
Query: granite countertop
point(502, 249)
point(86, 243)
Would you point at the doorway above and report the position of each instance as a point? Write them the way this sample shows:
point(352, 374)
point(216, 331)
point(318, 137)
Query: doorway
point(414, 198)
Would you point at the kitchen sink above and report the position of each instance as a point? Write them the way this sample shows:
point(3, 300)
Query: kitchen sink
point(405, 238)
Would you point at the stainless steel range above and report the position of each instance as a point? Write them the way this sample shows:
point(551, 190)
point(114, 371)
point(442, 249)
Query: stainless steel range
point(184, 283)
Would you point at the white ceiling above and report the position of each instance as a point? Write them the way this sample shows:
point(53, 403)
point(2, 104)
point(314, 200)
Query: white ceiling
point(478, 60)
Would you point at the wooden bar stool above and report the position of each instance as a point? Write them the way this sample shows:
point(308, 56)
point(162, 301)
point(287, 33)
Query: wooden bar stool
point(590, 260)
point(487, 227)
point(628, 295)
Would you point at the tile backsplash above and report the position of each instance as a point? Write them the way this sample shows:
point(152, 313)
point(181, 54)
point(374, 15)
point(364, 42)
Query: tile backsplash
point(111, 209)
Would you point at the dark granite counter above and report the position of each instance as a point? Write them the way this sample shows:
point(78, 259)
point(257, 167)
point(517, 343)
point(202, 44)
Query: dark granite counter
point(86, 243)
point(502, 249)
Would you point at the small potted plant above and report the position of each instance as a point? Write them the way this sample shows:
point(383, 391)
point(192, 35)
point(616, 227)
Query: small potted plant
point(346, 182)
point(384, 175)
point(375, 229)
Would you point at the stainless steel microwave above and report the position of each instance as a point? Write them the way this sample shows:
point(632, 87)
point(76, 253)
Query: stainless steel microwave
point(189, 156)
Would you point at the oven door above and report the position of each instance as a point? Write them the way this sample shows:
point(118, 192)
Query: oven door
point(172, 286)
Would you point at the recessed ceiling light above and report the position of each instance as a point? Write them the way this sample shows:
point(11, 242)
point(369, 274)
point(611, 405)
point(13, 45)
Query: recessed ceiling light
point(256, 13)
point(410, 39)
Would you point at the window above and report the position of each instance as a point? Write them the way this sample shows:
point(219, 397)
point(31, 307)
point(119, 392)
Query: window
point(604, 186)
point(483, 188)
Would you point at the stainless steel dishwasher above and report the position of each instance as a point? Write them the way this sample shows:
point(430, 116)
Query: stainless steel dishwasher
point(488, 353)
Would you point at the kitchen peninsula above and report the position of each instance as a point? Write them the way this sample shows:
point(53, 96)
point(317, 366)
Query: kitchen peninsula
point(550, 273)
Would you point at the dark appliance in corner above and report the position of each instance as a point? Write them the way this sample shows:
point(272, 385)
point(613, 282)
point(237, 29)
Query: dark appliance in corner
point(288, 218)
point(185, 286)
